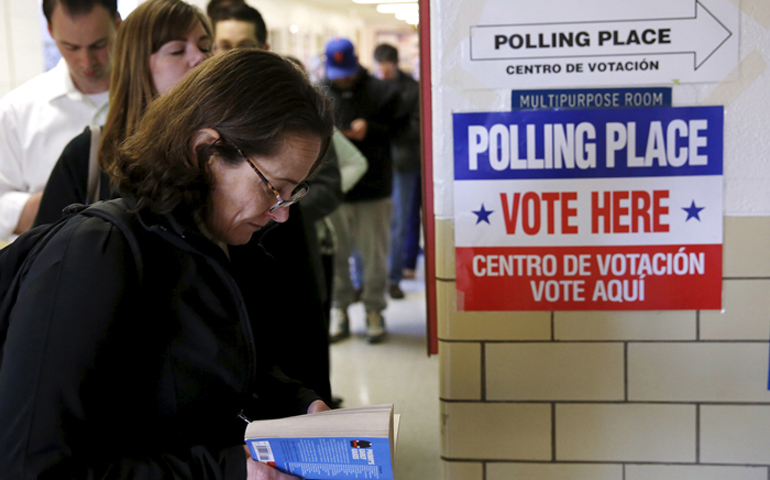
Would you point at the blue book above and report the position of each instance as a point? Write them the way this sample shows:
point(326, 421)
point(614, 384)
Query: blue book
point(348, 443)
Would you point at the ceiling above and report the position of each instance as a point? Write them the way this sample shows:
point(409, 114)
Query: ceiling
point(368, 12)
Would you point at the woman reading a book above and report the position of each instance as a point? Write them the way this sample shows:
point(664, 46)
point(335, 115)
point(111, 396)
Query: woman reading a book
point(131, 348)
point(157, 44)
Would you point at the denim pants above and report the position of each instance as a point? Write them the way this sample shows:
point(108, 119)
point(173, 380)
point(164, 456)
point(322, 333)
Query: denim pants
point(413, 230)
point(405, 186)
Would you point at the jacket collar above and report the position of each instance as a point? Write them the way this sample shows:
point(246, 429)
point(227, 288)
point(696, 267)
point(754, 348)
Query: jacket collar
point(179, 229)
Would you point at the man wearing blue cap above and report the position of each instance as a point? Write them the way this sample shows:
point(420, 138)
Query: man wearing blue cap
point(366, 113)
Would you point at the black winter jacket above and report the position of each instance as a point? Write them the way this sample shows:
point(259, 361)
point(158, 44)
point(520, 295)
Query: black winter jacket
point(104, 376)
point(378, 103)
point(406, 143)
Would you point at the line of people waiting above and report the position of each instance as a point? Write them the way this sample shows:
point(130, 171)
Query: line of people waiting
point(185, 152)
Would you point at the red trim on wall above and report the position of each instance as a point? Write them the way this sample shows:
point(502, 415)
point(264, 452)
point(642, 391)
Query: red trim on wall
point(429, 224)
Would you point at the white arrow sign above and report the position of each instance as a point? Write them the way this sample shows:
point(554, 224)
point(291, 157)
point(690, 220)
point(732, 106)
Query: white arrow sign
point(700, 35)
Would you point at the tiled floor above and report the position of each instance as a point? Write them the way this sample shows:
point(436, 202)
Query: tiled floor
point(396, 371)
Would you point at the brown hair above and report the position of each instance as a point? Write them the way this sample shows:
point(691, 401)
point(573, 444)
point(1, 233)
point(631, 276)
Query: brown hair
point(251, 97)
point(386, 53)
point(79, 7)
point(150, 26)
point(243, 13)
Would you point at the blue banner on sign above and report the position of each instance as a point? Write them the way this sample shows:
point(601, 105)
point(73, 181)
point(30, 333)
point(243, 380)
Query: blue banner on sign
point(590, 98)
point(629, 142)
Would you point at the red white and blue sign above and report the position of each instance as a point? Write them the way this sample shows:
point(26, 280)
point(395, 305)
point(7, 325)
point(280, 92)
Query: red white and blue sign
point(617, 209)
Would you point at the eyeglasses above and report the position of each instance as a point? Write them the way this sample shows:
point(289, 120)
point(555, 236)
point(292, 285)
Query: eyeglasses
point(298, 193)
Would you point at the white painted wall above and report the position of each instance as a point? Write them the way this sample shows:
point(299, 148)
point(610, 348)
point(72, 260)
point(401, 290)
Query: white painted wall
point(21, 56)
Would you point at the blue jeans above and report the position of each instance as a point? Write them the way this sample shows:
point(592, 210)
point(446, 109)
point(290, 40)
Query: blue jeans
point(413, 229)
point(404, 187)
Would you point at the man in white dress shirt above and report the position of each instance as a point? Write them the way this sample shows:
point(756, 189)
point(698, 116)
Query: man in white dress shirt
point(40, 117)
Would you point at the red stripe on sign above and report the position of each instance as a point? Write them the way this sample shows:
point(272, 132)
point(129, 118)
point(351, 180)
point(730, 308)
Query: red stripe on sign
point(646, 277)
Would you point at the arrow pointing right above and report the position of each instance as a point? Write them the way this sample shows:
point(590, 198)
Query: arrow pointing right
point(700, 35)
point(708, 34)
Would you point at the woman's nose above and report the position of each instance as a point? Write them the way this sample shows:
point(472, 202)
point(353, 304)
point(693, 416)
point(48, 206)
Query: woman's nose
point(280, 215)
point(197, 58)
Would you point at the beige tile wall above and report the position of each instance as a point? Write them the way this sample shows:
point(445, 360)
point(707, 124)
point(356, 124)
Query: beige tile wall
point(673, 395)
point(693, 472)
point(500, 431)
point(698, 372)
point(745, 247)
point(463, 470)
point(735, 434)
point(461, 379)
point(744, 314)
point(563, 471)
point(667, 325)
point(625, 432)
point(554, 371)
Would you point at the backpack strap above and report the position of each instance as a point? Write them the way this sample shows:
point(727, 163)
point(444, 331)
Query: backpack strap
point(117, 212)
point(94, 178)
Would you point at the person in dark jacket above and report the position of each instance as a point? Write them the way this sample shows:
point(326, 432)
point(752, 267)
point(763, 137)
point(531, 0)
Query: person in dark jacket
point(366, 111)
point(114, 371)
point(407, 191)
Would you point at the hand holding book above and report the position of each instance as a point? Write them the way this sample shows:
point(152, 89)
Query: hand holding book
point(318, 406)
point(335, 444)
point(261, 471)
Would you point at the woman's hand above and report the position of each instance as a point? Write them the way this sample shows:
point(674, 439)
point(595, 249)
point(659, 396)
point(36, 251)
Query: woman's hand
point(318, 406)
point(259, 471)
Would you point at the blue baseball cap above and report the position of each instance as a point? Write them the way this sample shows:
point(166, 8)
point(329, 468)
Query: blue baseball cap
point(341, 60)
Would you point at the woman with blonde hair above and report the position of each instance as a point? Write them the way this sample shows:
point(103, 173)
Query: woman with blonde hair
point(157, 44)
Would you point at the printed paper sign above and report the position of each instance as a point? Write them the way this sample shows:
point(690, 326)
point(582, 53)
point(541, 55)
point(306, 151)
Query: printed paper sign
point(604, 42)
point(582, 98)
point(589, 209)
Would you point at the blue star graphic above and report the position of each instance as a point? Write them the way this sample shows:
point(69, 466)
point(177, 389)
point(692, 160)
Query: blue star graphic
point(693, 211)
point(483, 215)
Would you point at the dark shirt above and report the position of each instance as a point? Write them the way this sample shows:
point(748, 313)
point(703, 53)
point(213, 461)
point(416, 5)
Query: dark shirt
point(406, 141)
point(68, 182)
point(378, 103)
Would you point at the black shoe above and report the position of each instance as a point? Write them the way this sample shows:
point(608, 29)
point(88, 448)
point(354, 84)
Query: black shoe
point(396, 293)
